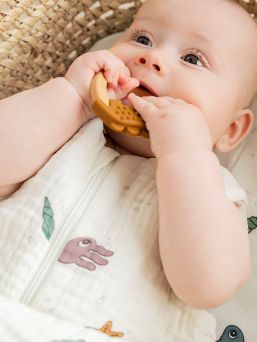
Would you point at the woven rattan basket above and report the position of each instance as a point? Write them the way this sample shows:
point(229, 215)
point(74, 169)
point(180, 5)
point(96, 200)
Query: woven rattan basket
point(41, 38)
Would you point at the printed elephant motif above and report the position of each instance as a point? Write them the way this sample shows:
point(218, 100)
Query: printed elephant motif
point(79, 250)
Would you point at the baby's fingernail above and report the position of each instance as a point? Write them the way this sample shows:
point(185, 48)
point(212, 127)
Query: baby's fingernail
point(134, 95)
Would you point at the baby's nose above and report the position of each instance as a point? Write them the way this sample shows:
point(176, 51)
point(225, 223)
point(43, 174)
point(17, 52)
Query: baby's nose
point(142, 60)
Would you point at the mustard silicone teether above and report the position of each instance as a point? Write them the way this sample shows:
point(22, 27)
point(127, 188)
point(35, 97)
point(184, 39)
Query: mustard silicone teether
point(116, 115)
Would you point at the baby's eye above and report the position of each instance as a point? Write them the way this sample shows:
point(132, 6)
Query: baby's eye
point(143, 40)
point(195, 57)
point(190, 58)
point(141, 37)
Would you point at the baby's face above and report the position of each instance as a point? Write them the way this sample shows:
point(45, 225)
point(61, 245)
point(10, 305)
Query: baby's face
point(200, 51)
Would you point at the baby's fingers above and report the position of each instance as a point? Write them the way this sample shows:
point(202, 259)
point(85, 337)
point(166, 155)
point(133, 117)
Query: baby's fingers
point(124, 88)
point(143, 105)
point(115, 71)
point(111, 76)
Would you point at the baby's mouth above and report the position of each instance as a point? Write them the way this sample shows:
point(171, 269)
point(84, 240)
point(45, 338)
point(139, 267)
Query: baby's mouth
point(139, 91)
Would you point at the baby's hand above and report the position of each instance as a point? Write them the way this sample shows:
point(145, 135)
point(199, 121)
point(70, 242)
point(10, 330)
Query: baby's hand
point(173, 124)
point(117, 74)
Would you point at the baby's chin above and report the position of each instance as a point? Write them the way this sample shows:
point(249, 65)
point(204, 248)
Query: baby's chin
point(127, 144)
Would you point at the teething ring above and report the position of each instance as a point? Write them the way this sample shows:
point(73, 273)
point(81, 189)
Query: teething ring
point(116, 115)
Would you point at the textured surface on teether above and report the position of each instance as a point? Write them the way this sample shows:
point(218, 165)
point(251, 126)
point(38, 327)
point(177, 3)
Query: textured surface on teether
point(121, 118)
point(115, 114)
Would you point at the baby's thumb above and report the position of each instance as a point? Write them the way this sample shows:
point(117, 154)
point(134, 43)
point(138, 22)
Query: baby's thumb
point(140, 104)
point(125, 88)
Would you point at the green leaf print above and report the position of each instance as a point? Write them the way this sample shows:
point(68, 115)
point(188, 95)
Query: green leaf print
point(252, 223)
point(48, 219)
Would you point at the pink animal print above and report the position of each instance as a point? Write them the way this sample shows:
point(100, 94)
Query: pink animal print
point(78, 249)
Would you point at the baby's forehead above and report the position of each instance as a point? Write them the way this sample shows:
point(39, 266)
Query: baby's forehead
point(200, 9)
point(217, 21)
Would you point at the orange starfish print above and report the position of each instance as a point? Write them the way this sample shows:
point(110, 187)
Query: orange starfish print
point(107, 329)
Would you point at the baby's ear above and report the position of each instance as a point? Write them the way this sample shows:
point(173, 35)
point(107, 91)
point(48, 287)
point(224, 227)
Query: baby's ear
point(236, 132)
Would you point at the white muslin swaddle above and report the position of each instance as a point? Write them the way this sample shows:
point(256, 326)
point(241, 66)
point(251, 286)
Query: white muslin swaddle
point(79, 244)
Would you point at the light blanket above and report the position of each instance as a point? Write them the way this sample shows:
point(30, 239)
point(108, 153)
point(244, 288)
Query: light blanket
point(79, 252)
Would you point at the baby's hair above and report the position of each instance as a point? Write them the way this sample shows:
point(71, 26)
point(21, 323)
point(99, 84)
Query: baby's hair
point(250, 6)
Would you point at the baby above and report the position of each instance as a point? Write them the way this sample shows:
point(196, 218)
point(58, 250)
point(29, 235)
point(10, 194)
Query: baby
point(200, 66)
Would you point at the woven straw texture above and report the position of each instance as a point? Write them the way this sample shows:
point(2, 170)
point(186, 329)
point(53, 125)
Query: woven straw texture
point(41, 38)
point(250, 6)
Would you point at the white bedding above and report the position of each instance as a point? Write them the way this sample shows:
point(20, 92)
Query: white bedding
point(79, 242)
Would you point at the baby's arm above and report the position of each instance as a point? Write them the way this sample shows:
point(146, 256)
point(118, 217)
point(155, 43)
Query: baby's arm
point(203, 240)
point(34, 124)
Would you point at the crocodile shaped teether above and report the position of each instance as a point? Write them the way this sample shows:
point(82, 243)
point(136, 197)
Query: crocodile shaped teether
point(116, 115)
